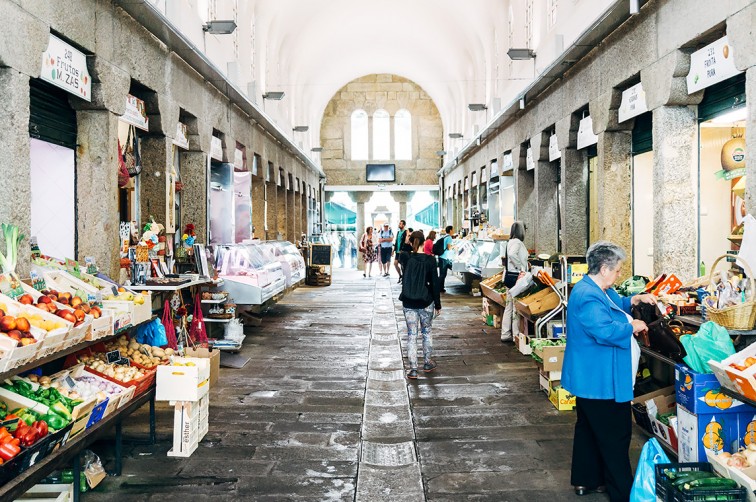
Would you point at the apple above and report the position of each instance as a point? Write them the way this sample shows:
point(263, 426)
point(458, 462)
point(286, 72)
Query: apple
point(79, 315)
point(76, 301)
point(15, 334)
point(8, 323)
point(64, 300)
point(68, 316)
point(44, 299)
point(22, 324)
point(26, 299)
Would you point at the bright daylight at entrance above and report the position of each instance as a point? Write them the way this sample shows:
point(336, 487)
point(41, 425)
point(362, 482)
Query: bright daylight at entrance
point(338, 250)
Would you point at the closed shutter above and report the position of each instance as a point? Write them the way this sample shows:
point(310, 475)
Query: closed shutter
point(722, 97)
point(51, 117)
point(643, 137)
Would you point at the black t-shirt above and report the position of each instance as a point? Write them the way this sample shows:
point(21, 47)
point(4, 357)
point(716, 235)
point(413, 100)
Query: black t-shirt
point(428, 268)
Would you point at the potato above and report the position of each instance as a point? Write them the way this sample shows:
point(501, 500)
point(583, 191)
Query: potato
point(158, 352)
point(169, 351)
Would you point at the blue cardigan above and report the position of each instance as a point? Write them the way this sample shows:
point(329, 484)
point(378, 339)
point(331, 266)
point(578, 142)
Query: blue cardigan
point(598, 358)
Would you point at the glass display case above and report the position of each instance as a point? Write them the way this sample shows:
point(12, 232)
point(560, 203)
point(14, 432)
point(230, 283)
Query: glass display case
point(463, 249)
point(251, 274)
point(485, 258)
point(290, 259)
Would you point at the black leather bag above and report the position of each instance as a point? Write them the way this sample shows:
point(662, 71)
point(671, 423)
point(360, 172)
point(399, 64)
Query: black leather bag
point(660, 337)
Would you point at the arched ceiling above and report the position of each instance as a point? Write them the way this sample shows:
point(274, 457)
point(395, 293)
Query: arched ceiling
point(315, 47)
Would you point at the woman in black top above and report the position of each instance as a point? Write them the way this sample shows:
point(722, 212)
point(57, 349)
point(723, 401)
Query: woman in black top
point(420, 296)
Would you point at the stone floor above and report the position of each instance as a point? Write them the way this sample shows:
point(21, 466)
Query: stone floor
point(323, 412)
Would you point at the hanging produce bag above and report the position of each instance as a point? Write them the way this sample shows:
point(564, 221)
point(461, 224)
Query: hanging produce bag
point(197, 332)
point(170, 330)
point(644, 486)
point(712, 342)
point(123, 172)
point(131, 156)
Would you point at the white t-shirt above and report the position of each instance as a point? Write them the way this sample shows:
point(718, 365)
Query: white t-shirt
point(634, 347)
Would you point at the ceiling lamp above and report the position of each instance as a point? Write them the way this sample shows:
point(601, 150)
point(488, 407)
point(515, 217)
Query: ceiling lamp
point(477, 107)
point(521, 54)
point(219, 27)
point(274, 95)
point(316, 149)
point(301, 128)
point(441, 153)
point(455, 135)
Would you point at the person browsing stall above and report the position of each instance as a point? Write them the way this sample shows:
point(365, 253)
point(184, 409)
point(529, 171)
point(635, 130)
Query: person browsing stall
point(428, 246)
point(516, 255)
point(599, 369)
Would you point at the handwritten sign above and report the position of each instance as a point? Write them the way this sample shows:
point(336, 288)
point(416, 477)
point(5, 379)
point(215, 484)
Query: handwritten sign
point(65, 67)
point(181, 140)
point(320, 254)
point(136, 113)
point(113, 356)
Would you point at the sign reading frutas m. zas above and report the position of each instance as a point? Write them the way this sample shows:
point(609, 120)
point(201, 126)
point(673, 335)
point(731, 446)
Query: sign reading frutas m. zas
point(66, 67)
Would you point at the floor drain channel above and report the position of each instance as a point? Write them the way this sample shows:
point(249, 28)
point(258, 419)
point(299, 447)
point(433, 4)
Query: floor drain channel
point(386, 376)
point(383, 337)
point(390, 455)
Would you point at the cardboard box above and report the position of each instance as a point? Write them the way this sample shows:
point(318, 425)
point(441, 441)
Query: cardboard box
point(712, 433)
point(487, 286)
point(561, 399)
point(700, 393)
point(638, 405)
point(186, 429)
point(522, 342)
point(213, 355)
point(552, 376)
point(552, 357)
point(183, 383)
point(537, 303)
point(667, 433)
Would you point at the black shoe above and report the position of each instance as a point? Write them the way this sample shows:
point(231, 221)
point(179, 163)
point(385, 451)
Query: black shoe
point(443, 290)
point(584, 490)
point(412, 374)
point(428, 367)
point(399, 281)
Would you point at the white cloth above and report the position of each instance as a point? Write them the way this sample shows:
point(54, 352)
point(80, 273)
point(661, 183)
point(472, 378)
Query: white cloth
point(635, 350)
point(517, 256)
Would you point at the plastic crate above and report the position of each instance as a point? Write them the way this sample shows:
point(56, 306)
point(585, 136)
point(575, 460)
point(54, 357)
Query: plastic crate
point(666, 492)
point(30, 456)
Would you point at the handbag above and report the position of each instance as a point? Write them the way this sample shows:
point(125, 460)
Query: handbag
point(131, 157)
point(510, 278)
point(659, 337)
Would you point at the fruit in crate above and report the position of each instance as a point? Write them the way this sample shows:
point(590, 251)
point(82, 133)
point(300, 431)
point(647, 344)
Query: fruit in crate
point(25, 299)
point(125, 296)
point(747, 363)
point(17, 328)
point(98, 363)
point(144, 354)
point(45, 324)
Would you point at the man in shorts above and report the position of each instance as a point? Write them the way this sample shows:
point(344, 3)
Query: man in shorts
point(386, 238)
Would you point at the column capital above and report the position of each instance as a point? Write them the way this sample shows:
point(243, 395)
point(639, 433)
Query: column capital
point(402, 197)
point(664, 82)
point(361, 197)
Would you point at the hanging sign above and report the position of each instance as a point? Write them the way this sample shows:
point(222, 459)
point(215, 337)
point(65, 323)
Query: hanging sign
point(554, 152)
point(136, 113)
point(239, 160)
point(585, 135)
point(65, 67)
point(474, 179)
point(529, 162)
point(467, 183)
point(507, 163)
point(633, 103)
point(181, 140)
point(494, 168)
point(216, 148)
point(714, 63)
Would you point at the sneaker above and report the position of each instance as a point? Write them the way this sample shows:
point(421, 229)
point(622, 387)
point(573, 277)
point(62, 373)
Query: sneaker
point(399, 281)
point(428, 367)
point(412, 374)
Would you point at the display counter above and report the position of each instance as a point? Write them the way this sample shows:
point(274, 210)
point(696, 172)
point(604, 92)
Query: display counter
point(485, 258)
point(250, 274)
point(290, 258)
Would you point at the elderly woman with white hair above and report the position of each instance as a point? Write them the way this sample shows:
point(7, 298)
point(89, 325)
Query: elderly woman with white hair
point(598, 370)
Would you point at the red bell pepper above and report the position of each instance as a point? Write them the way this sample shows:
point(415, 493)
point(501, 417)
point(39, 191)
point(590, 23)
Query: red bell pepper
point(8, 451)
point(30, 437)
point(41, 427)
point(21, 430)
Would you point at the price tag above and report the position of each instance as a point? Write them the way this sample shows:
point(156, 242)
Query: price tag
point(114, 289)
point(73, 268)
point(124, 361)
point(91, 265)
point(113, 356)
point(9, 423)
point(70, 382)
point(38, 282)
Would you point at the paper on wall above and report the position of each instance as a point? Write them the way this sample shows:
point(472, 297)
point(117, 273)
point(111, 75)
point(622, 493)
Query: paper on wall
point(748, 245)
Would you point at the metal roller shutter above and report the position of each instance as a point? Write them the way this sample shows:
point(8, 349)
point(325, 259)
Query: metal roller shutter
point(51, 117)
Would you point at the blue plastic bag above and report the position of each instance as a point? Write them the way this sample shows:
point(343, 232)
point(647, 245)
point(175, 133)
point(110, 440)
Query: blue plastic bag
point(644, 486)
point(152, 333)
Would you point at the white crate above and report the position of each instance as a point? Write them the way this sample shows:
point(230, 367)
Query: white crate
point(183, 383)
point(186, 429)
point(49, 493)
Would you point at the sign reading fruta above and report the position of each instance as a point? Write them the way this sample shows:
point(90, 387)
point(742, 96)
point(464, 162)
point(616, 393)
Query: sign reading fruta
point(714, 63)
point(66, 67)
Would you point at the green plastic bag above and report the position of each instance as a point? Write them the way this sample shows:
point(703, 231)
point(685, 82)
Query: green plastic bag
point(712, 342)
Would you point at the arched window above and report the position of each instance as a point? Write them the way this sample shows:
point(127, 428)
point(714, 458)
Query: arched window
point(381, 135)
point(359, 135)
point(403, 135)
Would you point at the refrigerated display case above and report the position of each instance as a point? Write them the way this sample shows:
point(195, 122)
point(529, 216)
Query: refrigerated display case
point(290, 259)
point(462, 251)
point(485, 258)
point(251, 275)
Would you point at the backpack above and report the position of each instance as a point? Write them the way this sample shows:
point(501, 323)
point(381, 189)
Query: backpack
point(414, 286)
point(439, 246)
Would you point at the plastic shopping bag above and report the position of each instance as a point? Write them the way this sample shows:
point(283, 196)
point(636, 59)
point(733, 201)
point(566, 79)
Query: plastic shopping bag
point(152, 333)
point(712, 342)
point(644, 486)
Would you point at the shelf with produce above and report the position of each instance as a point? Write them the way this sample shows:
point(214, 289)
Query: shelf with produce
point(65, 351)
point(222, 300)
point(63, 456)
point(697, 321)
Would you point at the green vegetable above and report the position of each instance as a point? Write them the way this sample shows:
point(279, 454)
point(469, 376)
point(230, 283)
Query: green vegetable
point(55, 421)
point(711, 484)
point(12, 240)
point(686, 477)
point(60, 409)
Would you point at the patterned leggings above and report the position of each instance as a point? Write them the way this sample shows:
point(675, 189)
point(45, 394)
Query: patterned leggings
point(424, 317)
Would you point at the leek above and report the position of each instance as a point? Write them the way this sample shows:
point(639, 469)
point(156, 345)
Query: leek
point(12, 240)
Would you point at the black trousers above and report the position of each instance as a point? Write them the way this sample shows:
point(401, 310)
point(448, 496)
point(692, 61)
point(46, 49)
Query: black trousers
point(443, 268)
point(600, 449)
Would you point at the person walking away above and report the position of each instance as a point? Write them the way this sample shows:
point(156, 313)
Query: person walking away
point(342, 249)
point(445, 260)
point(420, 298)
point(517, 262)
point(600, 363)
point(428, 246)
point(367, 248)
point(385, 238)
point(401, 237)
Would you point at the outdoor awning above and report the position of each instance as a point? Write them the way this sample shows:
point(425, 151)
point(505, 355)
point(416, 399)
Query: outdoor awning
point(336, 214)
point(428, 215)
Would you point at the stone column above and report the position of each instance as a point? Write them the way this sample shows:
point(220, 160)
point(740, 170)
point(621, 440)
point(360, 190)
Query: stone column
point(402, 198)
point(15, 159)
point(525, 196)
point(751, 140)
point(271, 205)
point(291, 215)
point(194, 197)
point(675, 185)
point(546, 181)
point(258, 204)
point(574, 199)
point(614, 168)
point(361, 198)
point(281, 213)
point(157, 154)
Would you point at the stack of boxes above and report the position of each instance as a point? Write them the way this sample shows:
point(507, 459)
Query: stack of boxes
point(549, 360)
point(186, 384)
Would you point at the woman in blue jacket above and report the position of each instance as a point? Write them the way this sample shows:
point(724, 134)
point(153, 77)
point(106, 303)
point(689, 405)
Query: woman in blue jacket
point(598, 370)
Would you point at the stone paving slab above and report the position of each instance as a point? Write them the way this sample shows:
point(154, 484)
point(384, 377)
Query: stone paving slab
point(395, 484)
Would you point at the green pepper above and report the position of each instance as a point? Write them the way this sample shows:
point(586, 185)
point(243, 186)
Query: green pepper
point(54, 421)
point(61, 409)
point(23, 388)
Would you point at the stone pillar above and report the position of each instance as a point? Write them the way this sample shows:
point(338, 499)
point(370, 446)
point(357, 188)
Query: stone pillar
point(546, 181)
point(402, 198)
point(271, 206)
point(157, 154)
point(525, 196)
point(614, 169)
point(675, 185)
point(291, 215)
point(15, 159)
point(361, 198)
point(751, 140)
point(282, 218)
point(574, 199)
point(194, 196)
point(258, 204)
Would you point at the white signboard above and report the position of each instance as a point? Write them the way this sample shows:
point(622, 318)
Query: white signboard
point(633, 103)
point(529, 162)
point(216, 148)
point(136, 113)
point(494, 168)
point(66, 67)
point(554, 152)
point(181, 140)
point(714, 63)
point(507, 163)
point(585, 135)
point(239, 159)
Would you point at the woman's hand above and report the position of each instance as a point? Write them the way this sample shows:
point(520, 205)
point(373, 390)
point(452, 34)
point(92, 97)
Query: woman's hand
point(437, 313)
point(644, 298)
point(638, 326)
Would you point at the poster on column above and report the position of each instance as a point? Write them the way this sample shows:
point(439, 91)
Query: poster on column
point(66, 67)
